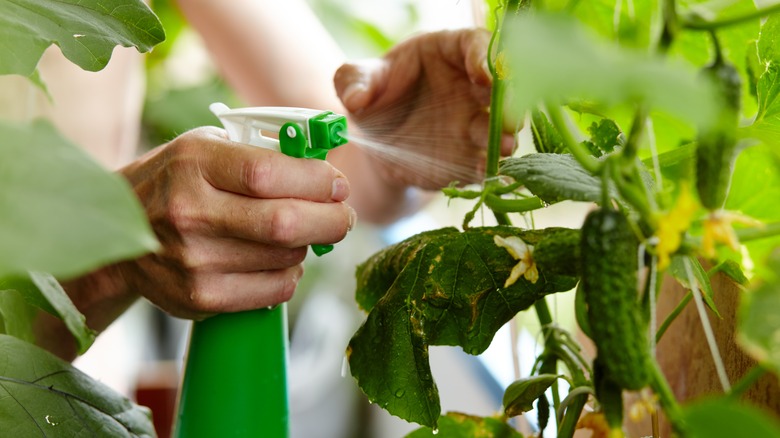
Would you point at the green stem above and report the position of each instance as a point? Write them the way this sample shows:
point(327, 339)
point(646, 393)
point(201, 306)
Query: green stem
point(670, 25)
point(501, 205)
point(666, 398)
point(698, 24)
point(746, 382)
point(579, 152)
point(756, 233)
point(495, 127)
point(629, 190)
point(573, 403)
point(672, 316)
point(637, 128)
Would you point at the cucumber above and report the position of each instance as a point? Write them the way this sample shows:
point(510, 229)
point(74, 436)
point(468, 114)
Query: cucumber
point(716, 146)
point(609, 285)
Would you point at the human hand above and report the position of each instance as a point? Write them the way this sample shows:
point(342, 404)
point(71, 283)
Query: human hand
point(426, 104)
point(234, 222)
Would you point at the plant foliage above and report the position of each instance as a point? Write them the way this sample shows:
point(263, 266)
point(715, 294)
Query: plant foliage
point(622, 114)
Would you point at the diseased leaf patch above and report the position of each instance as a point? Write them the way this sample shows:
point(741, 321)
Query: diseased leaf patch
point(457, 425)
point(442, 287)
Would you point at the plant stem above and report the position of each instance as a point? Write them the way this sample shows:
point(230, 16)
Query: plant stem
point(698, 24)
point(577, 150)
point(573, 403)
point(746, 382)
point(756, 233)
point(666, 398)
point(501, 205)
point(672, 316)
point(637, 128)
point(495, 126)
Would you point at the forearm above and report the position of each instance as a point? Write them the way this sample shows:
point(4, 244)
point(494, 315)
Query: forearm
point(273, 53)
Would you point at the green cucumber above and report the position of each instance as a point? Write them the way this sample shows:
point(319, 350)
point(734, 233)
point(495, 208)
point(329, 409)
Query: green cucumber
point(608, 252)
point(716, 146)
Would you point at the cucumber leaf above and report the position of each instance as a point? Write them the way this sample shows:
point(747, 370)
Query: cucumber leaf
point(520, 394)
point(553, 177)
point(443, 287)
point(41, 395)
point(85, 31)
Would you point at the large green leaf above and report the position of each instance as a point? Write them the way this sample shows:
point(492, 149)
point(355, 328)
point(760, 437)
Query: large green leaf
point(444, 287)
point(721, 418)
point(553, 177)
point(555, 59)
point(60, 212)
point(457, 425)
point(759, 316)
point(85, 31)
point(41, 395)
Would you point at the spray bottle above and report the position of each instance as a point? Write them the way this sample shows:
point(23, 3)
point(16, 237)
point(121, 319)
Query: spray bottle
point(235, 378)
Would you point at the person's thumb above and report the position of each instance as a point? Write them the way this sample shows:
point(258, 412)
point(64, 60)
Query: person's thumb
point(357, 83)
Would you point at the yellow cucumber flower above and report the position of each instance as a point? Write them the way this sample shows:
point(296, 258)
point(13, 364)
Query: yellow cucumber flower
point(519, 250)
point(718, 229)
point(597, 423)
point(672, 225)
point(644, 406)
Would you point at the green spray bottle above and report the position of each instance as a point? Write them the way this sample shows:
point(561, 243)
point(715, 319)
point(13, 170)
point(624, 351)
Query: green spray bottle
point(235, 378)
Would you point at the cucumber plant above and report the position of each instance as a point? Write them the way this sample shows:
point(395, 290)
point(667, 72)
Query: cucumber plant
point(659, 113)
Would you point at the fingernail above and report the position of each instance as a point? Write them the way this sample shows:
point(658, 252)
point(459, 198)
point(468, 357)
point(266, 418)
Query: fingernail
point(351, 95)
point(340, 189)
point(352, 218)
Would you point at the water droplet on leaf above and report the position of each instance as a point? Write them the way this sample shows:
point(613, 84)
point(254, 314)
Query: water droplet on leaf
point(435, 431)
point(50, 420)
point(400, 393)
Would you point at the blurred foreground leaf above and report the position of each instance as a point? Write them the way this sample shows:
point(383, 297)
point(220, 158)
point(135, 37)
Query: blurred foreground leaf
point(720, 418)
point(41, 395)
point(444, 287)
point(60, 212)
point(554, 59)
point(759, 317)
